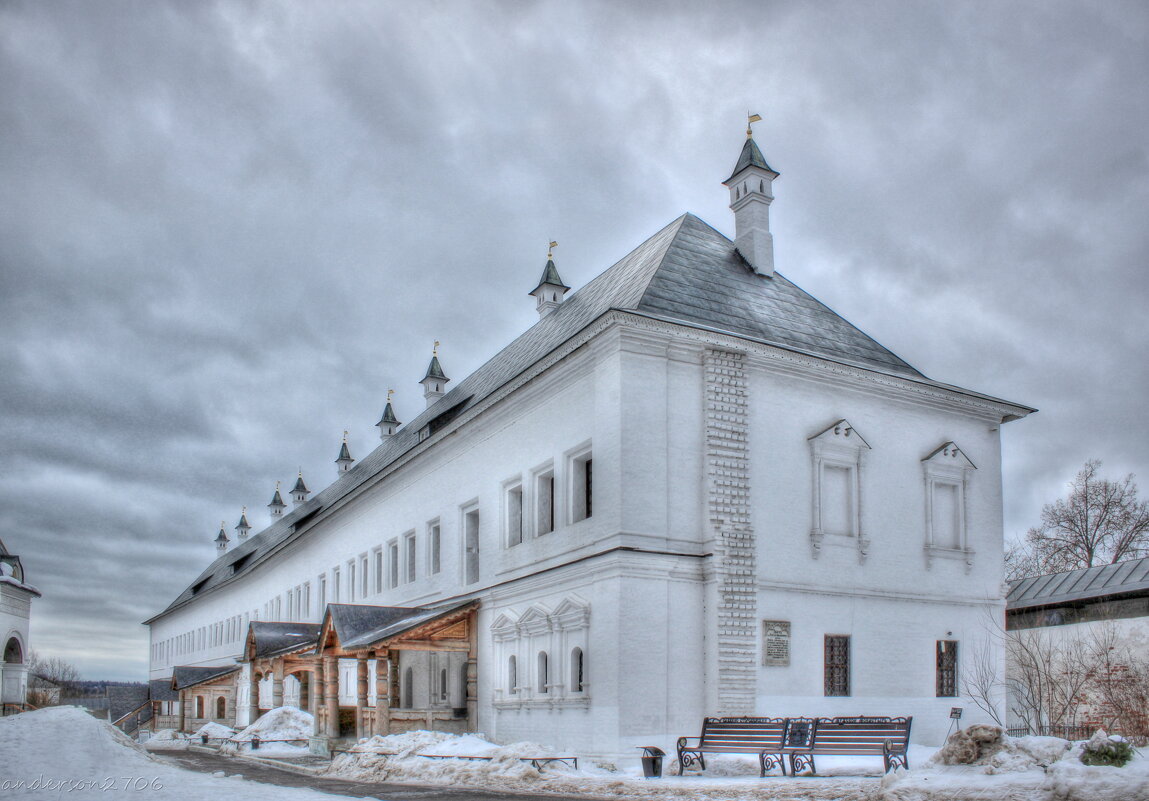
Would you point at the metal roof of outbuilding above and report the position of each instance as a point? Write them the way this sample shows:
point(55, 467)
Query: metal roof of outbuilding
point(1084, 584)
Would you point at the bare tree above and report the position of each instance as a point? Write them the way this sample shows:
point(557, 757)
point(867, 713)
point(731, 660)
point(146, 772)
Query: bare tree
point(56, 678)
point(1100, 522)
point(981, 680)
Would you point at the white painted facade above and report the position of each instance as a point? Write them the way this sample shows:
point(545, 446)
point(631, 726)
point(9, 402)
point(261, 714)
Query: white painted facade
point(15, 611)
point(716, 506)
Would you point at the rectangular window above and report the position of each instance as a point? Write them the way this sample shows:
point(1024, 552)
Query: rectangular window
point(836, 500)
point(363, 576)
point(581, 487)
point(947, 668)
point(435, 546)
point(471, 546)
point(837, 664)
point(393, 563)
point(336, 596)
point(322, 593)
point(351, 581)
point(514, 513)
point(946, 519)
point(545, 502)
point(306, 600)
point(377, 555)
point(409, 556)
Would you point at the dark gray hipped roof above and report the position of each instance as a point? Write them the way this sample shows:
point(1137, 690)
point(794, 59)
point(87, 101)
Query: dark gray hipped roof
point(751, 156)
point(688, 274)
point(344, 454)
point(186, 676)
point(388, 416)
point(550, 276)
point(161, 690)
point(277, 499)
point(435, 370)
point(272, 639)
point(299, 485)
point(1088, 583)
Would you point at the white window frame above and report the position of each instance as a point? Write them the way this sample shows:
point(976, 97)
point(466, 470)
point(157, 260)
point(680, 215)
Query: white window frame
point(434, 547)
point(514, 508)
point(410, 557)
point(948, 466)
point(838, 446)
point(544, 520)
point(575, 483)
point(466, 551)
point(393, 572)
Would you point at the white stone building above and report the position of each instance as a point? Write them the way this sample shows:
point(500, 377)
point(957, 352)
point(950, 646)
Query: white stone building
point(15, 609)
point(689, 489)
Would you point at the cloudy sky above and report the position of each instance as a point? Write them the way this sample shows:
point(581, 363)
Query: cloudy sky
point(227, 228)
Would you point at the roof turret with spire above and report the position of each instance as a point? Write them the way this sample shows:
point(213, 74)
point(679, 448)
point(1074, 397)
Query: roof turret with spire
point(300, 491)
point(344, 461)
point(751, 193)
point(242, 527)
point(221, 539)
point(388, 424)
point(549, 293)
point(435, 382)
point(277, 505)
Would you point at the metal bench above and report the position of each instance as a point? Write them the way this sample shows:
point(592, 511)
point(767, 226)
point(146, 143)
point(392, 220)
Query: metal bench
point(760, 736)
point(857, 736)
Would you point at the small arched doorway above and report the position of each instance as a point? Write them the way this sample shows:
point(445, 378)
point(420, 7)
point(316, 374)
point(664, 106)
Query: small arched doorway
point(220, 708)
point(13, 653)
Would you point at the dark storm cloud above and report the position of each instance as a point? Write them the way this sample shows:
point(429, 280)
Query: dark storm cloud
point(227, 228)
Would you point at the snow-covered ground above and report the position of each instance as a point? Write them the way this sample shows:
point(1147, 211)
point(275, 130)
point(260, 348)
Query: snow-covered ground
point(64, 752)
point(1025, 769)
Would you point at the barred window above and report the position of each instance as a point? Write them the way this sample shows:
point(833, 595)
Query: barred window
point(947, 668)
point(837, 664)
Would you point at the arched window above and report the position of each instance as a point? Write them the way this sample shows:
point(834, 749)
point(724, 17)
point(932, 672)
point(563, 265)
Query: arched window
point(443, 684)
point(544, 677)
point(13, 653)
point(220, 708)
point(576, 670)
point(199, 706)
point(762, 187)
point(409, 688)
point(512, 675)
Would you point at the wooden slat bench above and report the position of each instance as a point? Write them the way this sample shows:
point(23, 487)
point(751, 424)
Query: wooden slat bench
point(888, 738)
point(758, 736)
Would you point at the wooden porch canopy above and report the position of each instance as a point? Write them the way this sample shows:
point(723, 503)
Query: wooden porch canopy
point(280, 649)
point(350, 631)
point(362, 633)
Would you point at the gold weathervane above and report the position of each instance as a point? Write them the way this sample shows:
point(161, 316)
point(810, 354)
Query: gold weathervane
point(390, 392)
point(751, 118)
point(345, 436)
point(435, 350)
point(551, 249)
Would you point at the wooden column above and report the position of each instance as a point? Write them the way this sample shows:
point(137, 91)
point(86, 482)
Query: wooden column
point(331, 673)
point(361, 697)
point(277, 684)
point(316, 697)
point(473, 676)
point(253, 694)
point(183, 710)
point(382, 696)
point(393, 697)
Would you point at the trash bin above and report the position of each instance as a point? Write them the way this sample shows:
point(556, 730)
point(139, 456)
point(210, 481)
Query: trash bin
point(255, 742)
point(652, 761)
point(203, 738)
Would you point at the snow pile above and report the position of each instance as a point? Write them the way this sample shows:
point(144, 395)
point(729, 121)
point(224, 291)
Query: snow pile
point(214, 731)
point(63, 752)
point(166, 740)
point(1021, 769)
point(284, 723)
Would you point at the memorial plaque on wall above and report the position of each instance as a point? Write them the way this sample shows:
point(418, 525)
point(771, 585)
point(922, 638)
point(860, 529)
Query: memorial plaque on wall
point(776, 643)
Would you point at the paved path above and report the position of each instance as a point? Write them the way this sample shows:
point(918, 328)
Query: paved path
point(267, 774)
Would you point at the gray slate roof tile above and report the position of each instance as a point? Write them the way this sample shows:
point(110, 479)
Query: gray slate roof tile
point(1087, 583)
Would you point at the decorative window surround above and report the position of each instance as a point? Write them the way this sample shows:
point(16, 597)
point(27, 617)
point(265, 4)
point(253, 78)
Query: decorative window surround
point(560, 635)
point(838, 448)
point(947, 473)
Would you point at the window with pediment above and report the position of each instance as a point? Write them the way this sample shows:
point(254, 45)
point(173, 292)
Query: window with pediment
point(947, 472)
point(837, 456)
